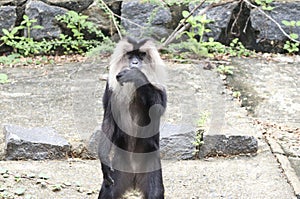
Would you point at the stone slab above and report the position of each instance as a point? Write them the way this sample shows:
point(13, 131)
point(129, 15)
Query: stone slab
point(225, 145)
point(177, 141)
point(34, 143)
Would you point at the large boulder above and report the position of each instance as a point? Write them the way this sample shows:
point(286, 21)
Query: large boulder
point(8, 17)
point(269, 36)
point(177, 142)
point(220, 15)
point(145, 19)
point(34, 143)
point(76, 5)
point(100, 18)
point(12, 2)
point(45, 16)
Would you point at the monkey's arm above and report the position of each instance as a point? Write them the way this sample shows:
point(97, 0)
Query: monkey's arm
point(134, 75)
point(106, 138)
point(147, 92)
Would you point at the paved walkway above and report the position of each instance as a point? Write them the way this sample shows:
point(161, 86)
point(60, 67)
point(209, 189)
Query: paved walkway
point(258, 177)
point(68, 98)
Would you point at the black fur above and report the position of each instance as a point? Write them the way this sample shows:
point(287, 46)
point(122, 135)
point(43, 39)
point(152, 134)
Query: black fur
point(117, 182)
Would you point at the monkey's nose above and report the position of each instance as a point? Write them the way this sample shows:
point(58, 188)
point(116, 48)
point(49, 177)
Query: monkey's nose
point(134, 63)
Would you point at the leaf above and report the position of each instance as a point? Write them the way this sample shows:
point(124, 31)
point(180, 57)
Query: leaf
point(267, 8)
point(258, 2)
point(185, 14)
point(298, 23)
point(3, 80)
point(293, 23)
point(25, 17)
point(285, 22)
point(5, 31)
point(294, 36)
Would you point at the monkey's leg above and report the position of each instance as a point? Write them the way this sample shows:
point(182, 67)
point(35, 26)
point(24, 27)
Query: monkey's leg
point(123, 181)
point(151, 185)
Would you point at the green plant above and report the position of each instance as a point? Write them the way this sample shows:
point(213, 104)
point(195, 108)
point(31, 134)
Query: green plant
point(78, 24)
point(225, 70)
point(3, 78)
point(291, 46)
point(198, 24)
point(23, 45)
point(265, 4)
point(236, 94)
point(105, 47)
point(238, 49)
point(10, 59)
point(214, 47)
point(208, 48)
point(195, 42)
point(171, 2)
point(201, 128)
point(74, 43)
point(27, 24)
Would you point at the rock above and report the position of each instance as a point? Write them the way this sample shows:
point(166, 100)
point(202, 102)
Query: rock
point(148, 19)
point(76, 5)
point(269, 37)
point(224, 145)
point(176, 141)
point(100, 18)
point(34, 143)
point(114, 5)
point(221, 16)
point(12, 2)
point(45, 16)
point(8, 17)
point(94, 142)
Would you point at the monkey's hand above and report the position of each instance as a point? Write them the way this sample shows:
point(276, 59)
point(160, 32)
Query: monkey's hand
point(134, 75)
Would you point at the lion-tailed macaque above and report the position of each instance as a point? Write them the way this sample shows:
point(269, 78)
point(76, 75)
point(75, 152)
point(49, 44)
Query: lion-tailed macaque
point(134, 101)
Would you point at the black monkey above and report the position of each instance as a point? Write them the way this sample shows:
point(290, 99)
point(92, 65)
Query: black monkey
point(134, 101)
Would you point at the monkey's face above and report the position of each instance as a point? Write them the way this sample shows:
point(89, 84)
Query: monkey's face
point(135, 58)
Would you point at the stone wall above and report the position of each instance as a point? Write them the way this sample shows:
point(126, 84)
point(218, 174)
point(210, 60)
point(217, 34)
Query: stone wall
point(231, 20)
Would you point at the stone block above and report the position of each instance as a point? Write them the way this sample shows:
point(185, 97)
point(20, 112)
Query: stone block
point(225, 145)
point(34, 143)
point(177, 141)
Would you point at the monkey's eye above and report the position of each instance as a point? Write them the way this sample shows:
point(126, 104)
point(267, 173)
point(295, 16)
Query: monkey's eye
point(142, 55)
point(138, 54)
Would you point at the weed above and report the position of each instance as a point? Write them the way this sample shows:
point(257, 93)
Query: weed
point(265, 4)
point(10, 59)
point(236, 94)
point(238, 49)
point(3, 78)
point(196, 44)
point(199, 134)
point(290, 46)
point(68, 44)
point(225, 70)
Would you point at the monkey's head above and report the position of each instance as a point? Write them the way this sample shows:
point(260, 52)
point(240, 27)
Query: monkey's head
point(130, 53)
